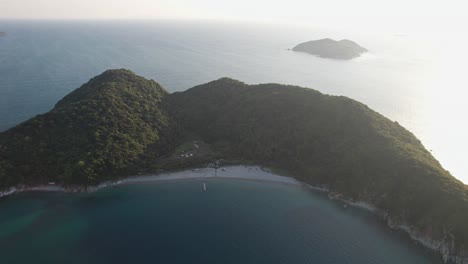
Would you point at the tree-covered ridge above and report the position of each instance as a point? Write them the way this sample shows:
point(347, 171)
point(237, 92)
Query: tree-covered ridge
point(94, 133)
point(119, 124)
point(332, 141)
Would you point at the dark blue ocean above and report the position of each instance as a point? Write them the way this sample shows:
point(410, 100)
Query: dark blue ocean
point(234, 221)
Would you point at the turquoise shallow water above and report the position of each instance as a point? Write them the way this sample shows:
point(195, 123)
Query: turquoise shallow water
point(234, 221)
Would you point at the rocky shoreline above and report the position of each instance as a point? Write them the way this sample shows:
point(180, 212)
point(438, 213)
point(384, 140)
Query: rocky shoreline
point(445, 247)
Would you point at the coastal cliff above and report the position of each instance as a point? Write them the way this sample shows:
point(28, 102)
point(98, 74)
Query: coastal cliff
point(120, 124)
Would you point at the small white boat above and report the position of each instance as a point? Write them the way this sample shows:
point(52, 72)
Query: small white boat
point(204, 187)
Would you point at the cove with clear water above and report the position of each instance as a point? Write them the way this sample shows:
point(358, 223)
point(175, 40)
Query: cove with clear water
point(233, 221)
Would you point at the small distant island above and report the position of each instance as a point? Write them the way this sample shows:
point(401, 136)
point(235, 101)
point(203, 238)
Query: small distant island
point(2, 34)
point(328, 48)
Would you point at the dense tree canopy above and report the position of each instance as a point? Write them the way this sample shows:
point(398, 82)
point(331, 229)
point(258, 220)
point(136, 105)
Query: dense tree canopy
point(331, 141)
point(94, 133)
point(119, 123)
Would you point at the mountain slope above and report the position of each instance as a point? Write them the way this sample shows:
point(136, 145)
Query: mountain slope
point(118, 124)
point(334, 142)
point(94, 133)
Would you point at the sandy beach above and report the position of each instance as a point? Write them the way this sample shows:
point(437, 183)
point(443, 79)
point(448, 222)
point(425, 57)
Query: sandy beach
point(252, 173)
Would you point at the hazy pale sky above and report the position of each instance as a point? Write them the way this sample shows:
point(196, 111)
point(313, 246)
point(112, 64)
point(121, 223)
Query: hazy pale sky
point(325, 12)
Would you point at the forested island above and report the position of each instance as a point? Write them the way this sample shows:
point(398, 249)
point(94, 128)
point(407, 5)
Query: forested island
point(2, 34)
point(120, 124)
point(329, 48)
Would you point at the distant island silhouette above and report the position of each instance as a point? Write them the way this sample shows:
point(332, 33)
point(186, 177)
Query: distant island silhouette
point(328, 48)
point(2, 34)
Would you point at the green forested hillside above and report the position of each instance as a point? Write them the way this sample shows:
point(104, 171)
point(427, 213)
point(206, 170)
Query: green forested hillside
point(94, 133)
point(331, 141)
point(119, 123)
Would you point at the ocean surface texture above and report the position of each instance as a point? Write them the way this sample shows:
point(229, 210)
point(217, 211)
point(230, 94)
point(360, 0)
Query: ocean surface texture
point(233, 221)
point(411, 78)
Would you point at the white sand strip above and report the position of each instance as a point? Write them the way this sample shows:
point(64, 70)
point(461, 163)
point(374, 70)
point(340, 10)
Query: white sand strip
point(254, 173)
